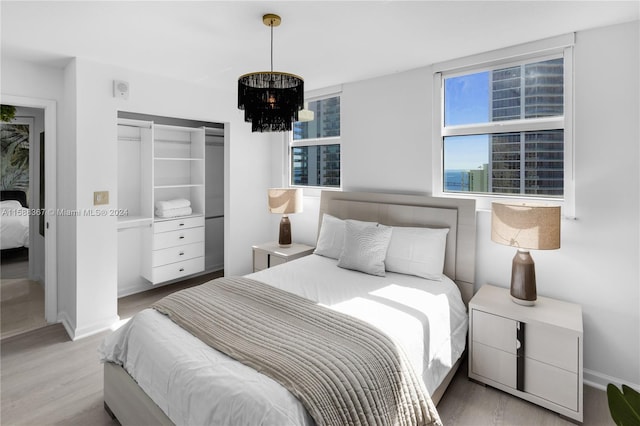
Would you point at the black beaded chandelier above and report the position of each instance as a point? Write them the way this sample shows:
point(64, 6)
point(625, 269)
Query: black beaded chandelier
point(270, 100)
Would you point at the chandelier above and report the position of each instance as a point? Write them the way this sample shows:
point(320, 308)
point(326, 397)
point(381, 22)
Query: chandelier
point(270, 100)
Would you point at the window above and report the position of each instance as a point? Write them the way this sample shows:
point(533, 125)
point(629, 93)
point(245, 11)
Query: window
point(504, 128)
point(315, 147)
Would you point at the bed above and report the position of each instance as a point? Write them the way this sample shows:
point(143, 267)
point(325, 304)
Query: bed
point(14, 220)
point(425, 317)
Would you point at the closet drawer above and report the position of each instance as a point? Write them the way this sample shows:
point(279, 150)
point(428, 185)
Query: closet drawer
point(178, 238)
point(177, 254)
point(177, 224)
point(177, 270)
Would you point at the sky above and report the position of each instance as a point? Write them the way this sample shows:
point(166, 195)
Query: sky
point(466, 102)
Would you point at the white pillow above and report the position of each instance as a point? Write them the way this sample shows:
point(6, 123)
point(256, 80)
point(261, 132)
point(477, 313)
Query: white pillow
point(331, 238)
point(417, 251)
point(365, 247)
point(10, 204)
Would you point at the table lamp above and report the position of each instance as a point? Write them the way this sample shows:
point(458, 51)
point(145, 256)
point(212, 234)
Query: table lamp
point(526, 227)
point(285, 201)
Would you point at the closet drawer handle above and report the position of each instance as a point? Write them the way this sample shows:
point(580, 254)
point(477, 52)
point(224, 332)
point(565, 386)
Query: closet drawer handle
point(181, 253)
point(181, 224)
point(181, 270)
point(181, 237)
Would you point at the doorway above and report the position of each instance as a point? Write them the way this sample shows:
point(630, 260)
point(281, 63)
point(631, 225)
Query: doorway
point(36, 264)
point(22, 254)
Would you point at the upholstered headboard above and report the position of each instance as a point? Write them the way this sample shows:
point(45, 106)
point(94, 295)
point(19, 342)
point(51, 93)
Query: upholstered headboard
point(422, 211)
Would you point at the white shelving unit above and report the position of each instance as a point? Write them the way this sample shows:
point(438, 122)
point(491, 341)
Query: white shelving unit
point(158, 162)
point(174, 248)
point(179, 165)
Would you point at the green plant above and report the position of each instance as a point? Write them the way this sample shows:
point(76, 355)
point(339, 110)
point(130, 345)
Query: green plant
point(624, 405)
point(7, 113)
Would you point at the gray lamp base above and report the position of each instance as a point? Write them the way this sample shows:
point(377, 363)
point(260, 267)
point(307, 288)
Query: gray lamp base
point(284, 240)
point(523, 279)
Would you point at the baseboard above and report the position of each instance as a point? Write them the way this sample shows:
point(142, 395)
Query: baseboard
point(96, 327)
point(68, 325)
point(600, 381)
point(76, 333)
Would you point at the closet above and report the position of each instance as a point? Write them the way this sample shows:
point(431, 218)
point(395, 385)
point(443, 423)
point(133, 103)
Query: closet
point(171, 196)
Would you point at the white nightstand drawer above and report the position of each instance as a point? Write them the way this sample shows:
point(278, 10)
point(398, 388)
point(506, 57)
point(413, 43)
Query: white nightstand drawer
point(176, 224)
point(552, 345)
point(178, 238)
point(177, 270)
point(494, 364)
point(551, 383)
point(177, 254)
point(276, 260)
point(495, 331)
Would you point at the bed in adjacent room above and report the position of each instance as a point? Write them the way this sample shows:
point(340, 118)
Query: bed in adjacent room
point(330, 304)
point(14, 220)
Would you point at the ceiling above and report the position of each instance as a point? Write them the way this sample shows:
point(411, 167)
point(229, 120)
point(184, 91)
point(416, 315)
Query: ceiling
point(327, 42)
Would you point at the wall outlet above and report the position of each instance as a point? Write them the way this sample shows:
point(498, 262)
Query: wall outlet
point(100, 198)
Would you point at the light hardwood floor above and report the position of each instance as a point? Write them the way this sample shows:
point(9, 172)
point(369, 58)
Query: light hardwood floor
point(46, 379)
point(21, 300)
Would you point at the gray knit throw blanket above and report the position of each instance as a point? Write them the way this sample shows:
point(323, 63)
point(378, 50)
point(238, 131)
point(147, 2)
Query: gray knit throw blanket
point(343, 370)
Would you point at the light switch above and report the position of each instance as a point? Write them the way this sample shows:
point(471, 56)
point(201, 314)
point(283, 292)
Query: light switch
point(100, 198)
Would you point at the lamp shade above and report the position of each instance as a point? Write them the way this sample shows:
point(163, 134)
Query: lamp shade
point(526, 226)
point(285, 200)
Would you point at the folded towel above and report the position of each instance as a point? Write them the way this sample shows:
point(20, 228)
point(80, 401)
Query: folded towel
point(182, 211)
point(172, 204)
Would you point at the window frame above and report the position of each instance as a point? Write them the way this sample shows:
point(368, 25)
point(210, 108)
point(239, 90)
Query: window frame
point(319, 95)
point(553, 48)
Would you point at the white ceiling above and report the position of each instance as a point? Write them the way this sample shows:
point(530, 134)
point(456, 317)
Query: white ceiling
point(326, 42)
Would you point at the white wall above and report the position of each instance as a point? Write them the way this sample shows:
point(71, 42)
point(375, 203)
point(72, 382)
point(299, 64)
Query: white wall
point(245, 174)
point(87, 162)
point(386, 133)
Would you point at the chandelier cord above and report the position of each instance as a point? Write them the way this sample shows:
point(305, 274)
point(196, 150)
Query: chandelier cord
point(271, 25)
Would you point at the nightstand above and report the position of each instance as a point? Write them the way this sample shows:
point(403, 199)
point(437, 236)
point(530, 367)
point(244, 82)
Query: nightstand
point(271, 254)
point(533, 352)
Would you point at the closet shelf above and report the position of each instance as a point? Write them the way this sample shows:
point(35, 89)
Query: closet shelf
point(178, 159)
point(165, 219)
point(172, 141)
point(187, 185)
point(125, 222)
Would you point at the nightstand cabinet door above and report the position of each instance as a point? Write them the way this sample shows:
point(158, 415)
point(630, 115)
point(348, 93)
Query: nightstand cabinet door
point(551, 362)
point(276, 260)
point(494, 348)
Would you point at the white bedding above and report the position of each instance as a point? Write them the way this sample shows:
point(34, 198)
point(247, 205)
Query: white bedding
point(195, 384)
point(14, 225)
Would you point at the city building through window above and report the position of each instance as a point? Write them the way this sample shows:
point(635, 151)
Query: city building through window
point(503, 125)
point(315, 146)
point(485, 158)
